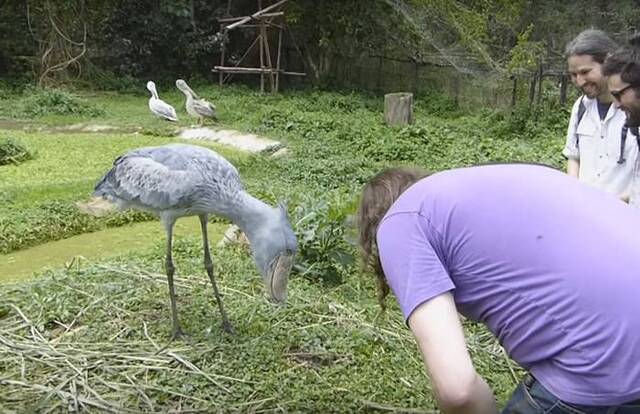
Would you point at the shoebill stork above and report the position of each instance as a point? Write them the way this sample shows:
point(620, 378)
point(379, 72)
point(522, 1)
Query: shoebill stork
point(196, 106)
point(178, 180)
point(159, 107)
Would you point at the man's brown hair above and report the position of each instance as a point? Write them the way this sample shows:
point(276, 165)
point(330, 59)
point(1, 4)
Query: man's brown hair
point(625, 62)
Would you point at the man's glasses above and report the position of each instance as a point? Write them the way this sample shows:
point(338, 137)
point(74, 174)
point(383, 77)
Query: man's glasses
point(618, 94)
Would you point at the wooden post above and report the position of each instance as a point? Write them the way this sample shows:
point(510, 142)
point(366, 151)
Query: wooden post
point(398, 108)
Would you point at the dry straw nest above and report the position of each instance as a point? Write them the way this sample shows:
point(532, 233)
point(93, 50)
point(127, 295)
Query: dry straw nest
point(95, 338)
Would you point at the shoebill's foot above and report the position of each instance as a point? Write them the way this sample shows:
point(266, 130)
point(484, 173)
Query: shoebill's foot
point(226, 326)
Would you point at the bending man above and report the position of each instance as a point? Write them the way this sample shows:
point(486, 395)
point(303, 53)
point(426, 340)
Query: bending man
point(549, 264)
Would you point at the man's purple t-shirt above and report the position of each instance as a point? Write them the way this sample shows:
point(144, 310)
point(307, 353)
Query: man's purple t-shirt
point(550, 265)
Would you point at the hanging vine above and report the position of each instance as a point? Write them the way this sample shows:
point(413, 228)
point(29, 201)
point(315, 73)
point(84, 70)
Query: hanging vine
point(53, 27)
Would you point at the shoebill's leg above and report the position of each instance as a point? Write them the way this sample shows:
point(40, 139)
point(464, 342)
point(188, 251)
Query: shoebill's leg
point(208, 264)
point(170, 268)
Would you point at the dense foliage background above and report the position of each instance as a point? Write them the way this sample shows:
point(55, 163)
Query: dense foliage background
point(111, 41)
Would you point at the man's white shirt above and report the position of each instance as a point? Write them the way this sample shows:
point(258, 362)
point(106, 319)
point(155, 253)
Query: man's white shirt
point(596, 144)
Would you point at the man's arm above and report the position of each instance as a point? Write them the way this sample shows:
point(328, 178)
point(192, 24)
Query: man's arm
point(573, 167)
point(438, 332)
point(571, 151)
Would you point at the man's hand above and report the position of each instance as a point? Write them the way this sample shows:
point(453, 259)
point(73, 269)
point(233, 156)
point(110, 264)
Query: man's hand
point(438, 332)
point(573, 167)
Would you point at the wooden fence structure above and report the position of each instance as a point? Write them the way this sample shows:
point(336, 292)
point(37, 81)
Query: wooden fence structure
point(262, 21)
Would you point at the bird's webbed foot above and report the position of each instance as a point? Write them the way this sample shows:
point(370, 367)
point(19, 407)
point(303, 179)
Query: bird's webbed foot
point(178, 334)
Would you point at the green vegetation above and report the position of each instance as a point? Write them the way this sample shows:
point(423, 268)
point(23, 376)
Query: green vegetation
point(336, 140)
point(328, 350)
point(130, 239)
point(13, 151)
point(37, 102)
point(88, 337)
point(39, 197)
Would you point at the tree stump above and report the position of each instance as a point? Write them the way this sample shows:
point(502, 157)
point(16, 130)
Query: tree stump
point(398, 108)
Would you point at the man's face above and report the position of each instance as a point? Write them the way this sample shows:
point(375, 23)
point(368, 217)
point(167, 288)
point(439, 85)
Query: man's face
point(625, 98)
point(586, 74)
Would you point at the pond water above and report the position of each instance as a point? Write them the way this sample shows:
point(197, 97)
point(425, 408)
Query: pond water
point(138, 237)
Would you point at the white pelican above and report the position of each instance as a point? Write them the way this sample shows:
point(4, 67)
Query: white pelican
point(196, 106)
point(158, 106)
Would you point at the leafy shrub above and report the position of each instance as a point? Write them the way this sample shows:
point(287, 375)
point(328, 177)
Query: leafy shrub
point(326, 251)
point(529, 122)
point(13, 151)
point(437, 104)
point(39, 102)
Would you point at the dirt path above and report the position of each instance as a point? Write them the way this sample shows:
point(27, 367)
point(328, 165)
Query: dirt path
point(236, 139)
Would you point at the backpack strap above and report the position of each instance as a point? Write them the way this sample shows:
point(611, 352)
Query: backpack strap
point(623, 140)
point(581, 110)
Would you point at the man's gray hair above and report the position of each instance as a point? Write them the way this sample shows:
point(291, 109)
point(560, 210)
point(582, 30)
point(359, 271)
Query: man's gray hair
point(591, 42)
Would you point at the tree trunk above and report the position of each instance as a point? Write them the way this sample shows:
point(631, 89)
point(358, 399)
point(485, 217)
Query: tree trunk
point(540, 80)
point(563, 90)
point(379, 80)
point(457, 86)
point(415, 77)
point(192, 12)
point(398, 108)
point(532, 87)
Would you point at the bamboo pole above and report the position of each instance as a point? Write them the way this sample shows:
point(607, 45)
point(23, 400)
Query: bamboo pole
point(261, 64)
point(267, 54)
point(255, 15)
point(224, 48)
point(234, 69)
point(235, 19)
